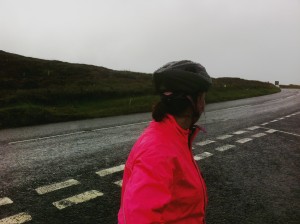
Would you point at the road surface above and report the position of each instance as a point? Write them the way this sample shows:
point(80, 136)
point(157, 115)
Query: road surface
point(72, 172)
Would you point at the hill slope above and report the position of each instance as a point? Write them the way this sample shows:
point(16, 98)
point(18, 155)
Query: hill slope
point(35, 79)
point(34, 91)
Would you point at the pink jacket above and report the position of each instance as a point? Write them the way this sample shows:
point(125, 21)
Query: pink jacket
point(162, 182)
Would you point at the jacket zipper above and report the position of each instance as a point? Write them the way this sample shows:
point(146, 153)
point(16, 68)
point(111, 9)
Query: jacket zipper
point(201, 180)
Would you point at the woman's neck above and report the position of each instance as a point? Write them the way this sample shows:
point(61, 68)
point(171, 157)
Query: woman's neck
point(185, 120)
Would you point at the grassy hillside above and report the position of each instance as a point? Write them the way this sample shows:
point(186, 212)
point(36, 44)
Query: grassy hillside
point(291, 86)
point(35, 91)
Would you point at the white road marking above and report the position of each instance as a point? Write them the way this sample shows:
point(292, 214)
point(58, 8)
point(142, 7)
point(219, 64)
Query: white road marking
point(119, 183)
point(16, 219)
point(231, 108)
point(56, 186)
point(288, 116)
point(244, 140)
point(239, 132)
point(76, 199)
point(202, 156)
point(111, 170)
point(265, 123)
point(273, 101)
point(47, 137)
point(205, 142)
point(222, 137)
point(73, 133)
point(281, 118)
point(224, 148)
point(247, 105)
point(273, 121)
point(5, 201)
point(289, 97)
point(258, 135)
point(120, 126)
point(253, 128)
point(271, 131)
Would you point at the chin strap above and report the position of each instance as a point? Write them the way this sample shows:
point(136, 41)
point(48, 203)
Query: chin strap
point(194, 130)
point(196, 113)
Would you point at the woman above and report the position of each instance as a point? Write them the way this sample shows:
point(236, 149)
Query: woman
point(162, 182)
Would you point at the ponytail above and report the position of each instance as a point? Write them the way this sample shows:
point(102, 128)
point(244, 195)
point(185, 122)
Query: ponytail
point(175, 104)
point(159, 111)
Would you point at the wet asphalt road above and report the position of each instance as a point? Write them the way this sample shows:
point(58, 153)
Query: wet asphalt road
point(254, 181)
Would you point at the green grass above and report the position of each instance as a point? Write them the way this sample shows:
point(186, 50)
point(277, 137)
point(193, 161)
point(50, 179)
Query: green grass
point(23, 114)
point(35, 91)
point(219, 95)
point(291, 86)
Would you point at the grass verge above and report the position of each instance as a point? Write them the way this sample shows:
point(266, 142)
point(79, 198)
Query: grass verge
point(24, 114)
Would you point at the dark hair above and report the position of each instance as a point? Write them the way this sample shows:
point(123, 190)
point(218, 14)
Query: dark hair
point(176, 104)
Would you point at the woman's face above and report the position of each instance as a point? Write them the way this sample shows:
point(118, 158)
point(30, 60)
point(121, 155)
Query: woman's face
point(201, 103)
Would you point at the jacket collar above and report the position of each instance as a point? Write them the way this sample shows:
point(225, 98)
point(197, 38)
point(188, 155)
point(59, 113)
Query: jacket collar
point(172, 121)
point(174, 130)
point(188, 135)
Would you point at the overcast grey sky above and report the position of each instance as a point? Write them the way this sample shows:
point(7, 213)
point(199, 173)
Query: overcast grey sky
point(250, 39)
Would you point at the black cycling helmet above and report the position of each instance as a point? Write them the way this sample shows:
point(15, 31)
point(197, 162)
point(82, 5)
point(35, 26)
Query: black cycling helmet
point(181, 77)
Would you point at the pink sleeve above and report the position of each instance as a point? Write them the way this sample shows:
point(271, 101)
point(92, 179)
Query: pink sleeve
point(148, 189)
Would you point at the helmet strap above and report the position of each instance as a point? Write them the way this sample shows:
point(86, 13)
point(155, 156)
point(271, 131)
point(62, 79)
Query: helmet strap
point(195, 114)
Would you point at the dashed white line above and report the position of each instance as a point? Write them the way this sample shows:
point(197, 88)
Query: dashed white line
point(224, 148)
point(16, 219)
point(5, 201)
point(265, 123)
point(247, 105)
point(271, 131)
point(119, 183)
point(76, 199)
point(205, 142)
point(253, 128)
point(47, 137)
point(234, 108)
point(273, 121)
point(202, 156)
point(273, 100)
point(222, 137)
point(258, 135)
point(111, 170)
point(288, 133)
point(74, 133)
point(56, 186)
point(244, 140)
point(239, 132)
point(120, 126)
